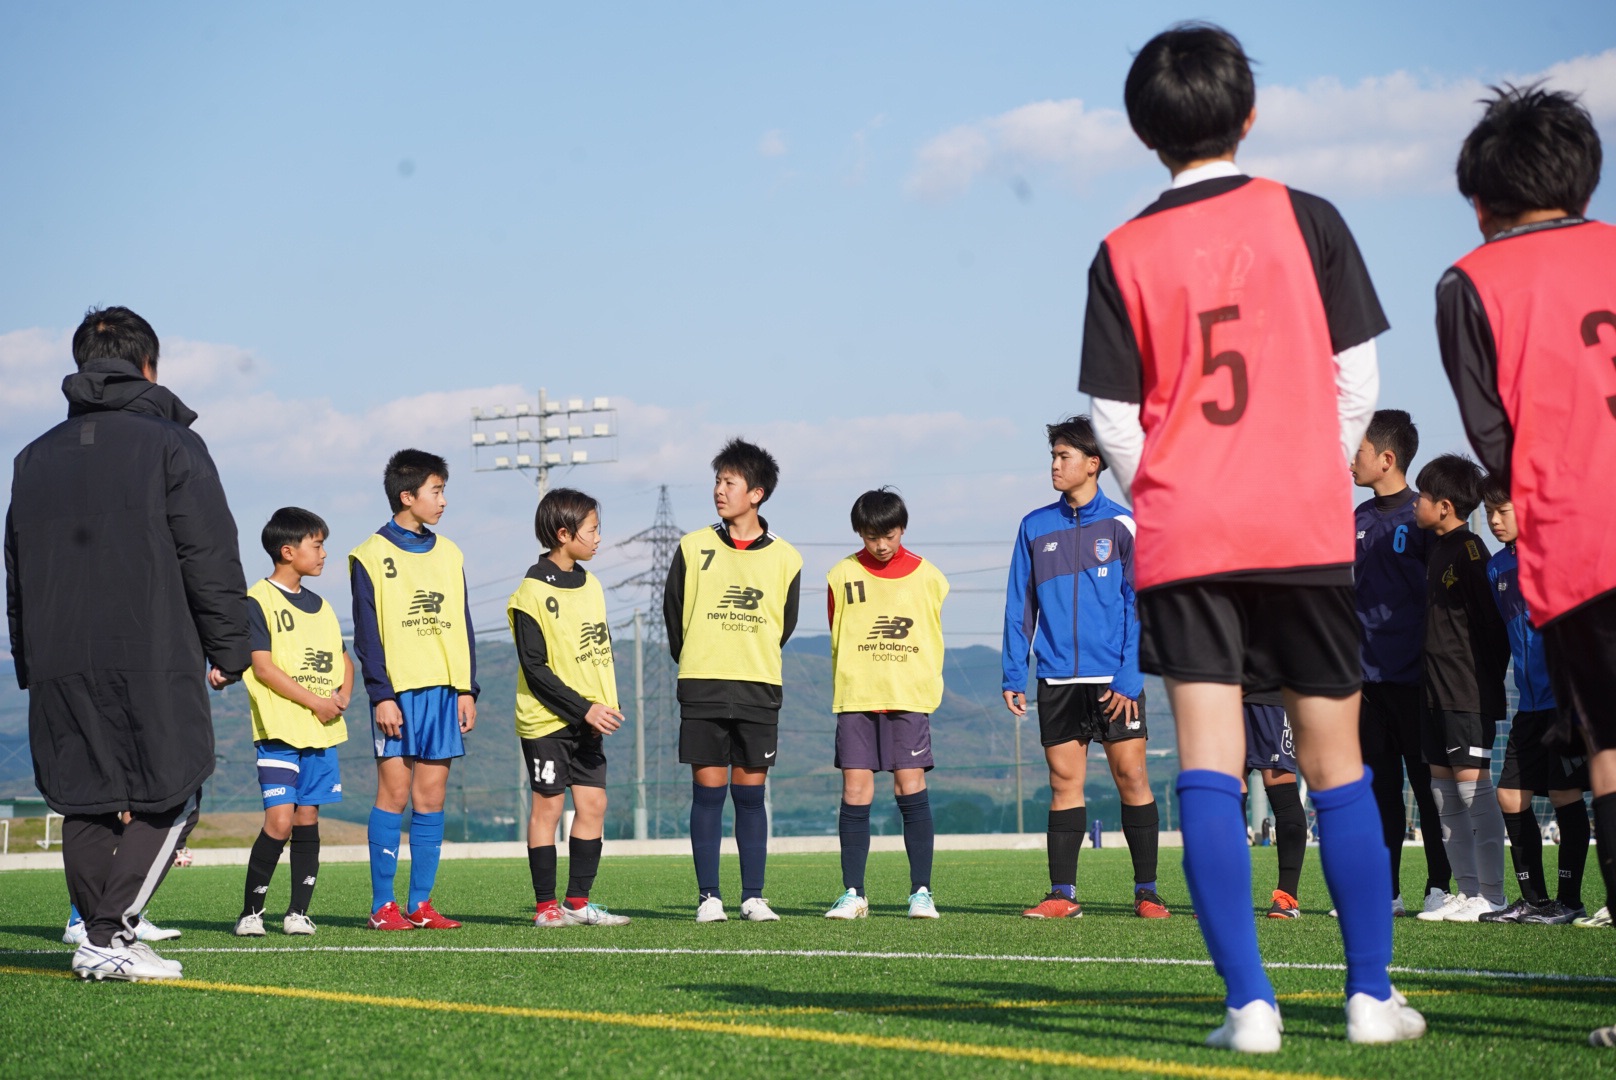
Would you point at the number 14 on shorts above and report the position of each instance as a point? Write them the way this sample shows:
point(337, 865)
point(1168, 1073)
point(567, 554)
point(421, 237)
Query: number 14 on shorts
point(543, 772)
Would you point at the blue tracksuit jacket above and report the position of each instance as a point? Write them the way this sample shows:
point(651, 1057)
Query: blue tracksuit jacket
point(1525, 643)
point(1070, 597)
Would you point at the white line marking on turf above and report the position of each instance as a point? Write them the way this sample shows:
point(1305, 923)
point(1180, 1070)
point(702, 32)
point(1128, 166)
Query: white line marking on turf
point(1145, 961)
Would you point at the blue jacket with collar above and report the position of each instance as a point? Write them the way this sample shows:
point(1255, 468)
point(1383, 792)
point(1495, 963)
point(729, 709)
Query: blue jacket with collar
point(1070, 599)
point(1525, 643)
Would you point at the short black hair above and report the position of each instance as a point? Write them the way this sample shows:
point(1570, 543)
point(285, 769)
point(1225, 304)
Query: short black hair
point(878, 512)
point(1189, 92)
point(754, 464)
point(407, 470)
point(1534, 149)
point(1455, 478)
point(1495, 490)
point(114, 333)
point(291, 525)
point(563, 508)
point(1394, 430)
point(1078, 433)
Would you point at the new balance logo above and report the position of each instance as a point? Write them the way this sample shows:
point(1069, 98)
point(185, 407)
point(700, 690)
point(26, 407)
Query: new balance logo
point(261, 889)
point(744, 598)
point(594, 634)
point(890, 627)
point(426, 603)
point(1052, 545)
point(317, 660)
point(307, 881)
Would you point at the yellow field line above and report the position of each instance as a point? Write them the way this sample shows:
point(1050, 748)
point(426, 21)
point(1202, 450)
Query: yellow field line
point(654, 1022)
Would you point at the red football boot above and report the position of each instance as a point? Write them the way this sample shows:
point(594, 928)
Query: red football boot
point(426, 917)
point(388, 917)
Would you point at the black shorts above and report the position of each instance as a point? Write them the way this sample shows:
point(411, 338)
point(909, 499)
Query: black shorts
point(571, 757)
point(1581, 649)
point(1070, 712)
point(1259, 635)
point(1530, 764)
point(1389, 721)
point(751, 744)
point(1457, 740)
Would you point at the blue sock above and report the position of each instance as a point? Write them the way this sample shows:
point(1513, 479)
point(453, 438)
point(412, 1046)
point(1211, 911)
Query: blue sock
point(1068, 891)
point(919, 837)
point(751, 837)
point(383, 836)
point(426, 844)
point(853, 829)
point(1352, 852)
point(73, 915)
point(1217, 863)
point(706, 832)
point(1144, 886)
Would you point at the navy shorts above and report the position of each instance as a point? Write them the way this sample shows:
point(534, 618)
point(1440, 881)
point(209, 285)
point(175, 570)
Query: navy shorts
point(431, 730)
point(1269, 743)
point(883, 741)
point(301, 777)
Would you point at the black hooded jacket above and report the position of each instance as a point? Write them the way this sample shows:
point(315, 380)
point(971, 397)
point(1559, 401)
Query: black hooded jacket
point(122, 579)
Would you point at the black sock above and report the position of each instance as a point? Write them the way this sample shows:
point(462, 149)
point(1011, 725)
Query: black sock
point(266, 852)
point(1526, 853)
point(305, 866)
point(853, 828)
point(1141, 828)
point(583, 863)
point(751, 836)
point(1290, 833)
point(1605, 848)
point(1065, 839)
point(919, 838)
point(1574, 835)
point(541, 866)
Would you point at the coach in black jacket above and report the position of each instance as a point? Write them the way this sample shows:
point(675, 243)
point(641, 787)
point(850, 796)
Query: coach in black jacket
point(123, 579)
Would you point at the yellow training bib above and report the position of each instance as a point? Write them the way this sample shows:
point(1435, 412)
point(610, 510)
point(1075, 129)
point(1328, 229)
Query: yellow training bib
point(577, 646)
point(735, 604)
point(308, 648)
point(420, 612)
point(886, 639)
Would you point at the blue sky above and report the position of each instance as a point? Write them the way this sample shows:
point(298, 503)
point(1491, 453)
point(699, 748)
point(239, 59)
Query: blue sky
point(855, 233)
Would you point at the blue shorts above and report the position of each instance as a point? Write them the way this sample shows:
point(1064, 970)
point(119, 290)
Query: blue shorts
point(431, 729)
point(300, 777)
point(1269, 743)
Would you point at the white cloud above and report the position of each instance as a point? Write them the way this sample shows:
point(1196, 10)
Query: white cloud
point(1397, 132)
point(772, 144)
point(32, 364)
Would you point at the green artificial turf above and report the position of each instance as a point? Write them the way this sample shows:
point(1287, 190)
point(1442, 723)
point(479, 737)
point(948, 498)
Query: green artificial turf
point(789, 998)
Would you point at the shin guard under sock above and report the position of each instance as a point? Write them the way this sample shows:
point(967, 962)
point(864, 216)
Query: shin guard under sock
point(706, 833)
point(1488, 822)
point(266, 852)
point(919, 837)
point(1458, 834)
point(853, 829)
point(1065, 840)
point(1573, 851)
point(383, 832)
point(583, 863)
point(305, 866)
point(541, 867)
point(1217, 866)
point(1290, 834)
point(426, 845)
point(1141, 829)
point(751, 836)
point(1526, 855)
point(1352, 855)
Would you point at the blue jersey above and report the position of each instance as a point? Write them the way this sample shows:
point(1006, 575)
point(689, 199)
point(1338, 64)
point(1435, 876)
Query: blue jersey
point(1389, 587)
point(1070, 597)
point(1525, 643)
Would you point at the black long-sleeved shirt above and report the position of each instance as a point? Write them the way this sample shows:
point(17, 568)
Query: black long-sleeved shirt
point(1466, 653)
point(534, 656)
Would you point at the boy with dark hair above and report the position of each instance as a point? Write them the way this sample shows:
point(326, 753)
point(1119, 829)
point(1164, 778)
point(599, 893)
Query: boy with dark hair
point(1277, 363)
point(413, 636)
point(1543, 755)
point(566, 700)
point(1271, 750)
point(1462, 689)
point(886, 655)
point(1070, 600)
point(1527, 325)
point(1389, 591)
point(298, 689)
point(729, 607)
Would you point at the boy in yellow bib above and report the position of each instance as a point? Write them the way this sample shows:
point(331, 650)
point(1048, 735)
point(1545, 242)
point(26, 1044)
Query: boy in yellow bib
point(413, 637)
point(886, 658)
point(729, 606)
point(298, 687)
point(566, 700)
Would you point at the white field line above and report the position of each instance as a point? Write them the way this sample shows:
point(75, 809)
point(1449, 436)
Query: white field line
point(1143, 961)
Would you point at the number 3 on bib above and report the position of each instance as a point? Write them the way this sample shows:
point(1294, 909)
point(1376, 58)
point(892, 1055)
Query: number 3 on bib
point(1210, 363)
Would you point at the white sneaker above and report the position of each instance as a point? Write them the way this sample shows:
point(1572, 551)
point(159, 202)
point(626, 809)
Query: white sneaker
point(757, 909)
point(75, 933)
point(921, 905)
point(1451, 903)
point(1398, 910)
point(1472, 910)
point(1435, 898)
point(711, 910)
point(250, 925)
point(1596, 921)
point(592, 915)
point(296, 922)
point(1254, 1028)
point(145, 931)
point(1389, 1021)
point(149, 954)
point(849, 905)
point(125, 965)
